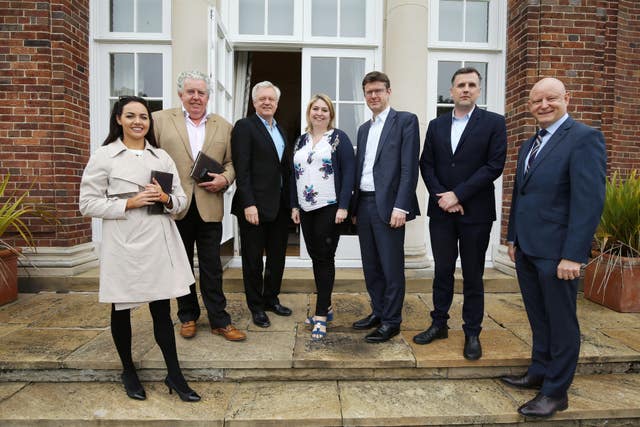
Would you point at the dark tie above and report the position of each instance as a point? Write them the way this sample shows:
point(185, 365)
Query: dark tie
point(535, 148)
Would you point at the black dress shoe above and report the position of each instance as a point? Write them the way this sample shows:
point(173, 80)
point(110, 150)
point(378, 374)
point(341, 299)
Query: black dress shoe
point(382, 334)
point(433, 333)
point(472, 347)
point(279, 309)
point(523, 381)
point(261, 319)
point(368, 322)
point(543, 406)
point(132, 385)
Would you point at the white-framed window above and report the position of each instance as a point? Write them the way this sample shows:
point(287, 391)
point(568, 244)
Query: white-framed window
point(131, 19)
point(342, 21)
point(478, 24)
point(221, 68)
point(338, 73)
point(253, 20)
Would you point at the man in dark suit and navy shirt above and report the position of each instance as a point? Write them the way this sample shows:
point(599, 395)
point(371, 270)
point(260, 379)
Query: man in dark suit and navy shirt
point(384, 200)
point(558, 195)
point(464, 152)
point(261, 202)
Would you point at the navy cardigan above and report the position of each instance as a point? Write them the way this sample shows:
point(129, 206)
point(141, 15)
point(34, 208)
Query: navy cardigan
point(344, 168)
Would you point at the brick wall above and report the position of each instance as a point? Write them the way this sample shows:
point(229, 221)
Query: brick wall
point(593, 46)
point(44, 108)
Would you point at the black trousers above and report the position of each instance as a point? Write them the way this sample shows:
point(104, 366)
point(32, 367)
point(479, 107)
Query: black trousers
point(262, 282)
point(206, 236)
point(447, 235)
point(321, 237)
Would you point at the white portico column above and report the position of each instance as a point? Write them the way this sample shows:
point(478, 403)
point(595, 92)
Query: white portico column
point(405, 62)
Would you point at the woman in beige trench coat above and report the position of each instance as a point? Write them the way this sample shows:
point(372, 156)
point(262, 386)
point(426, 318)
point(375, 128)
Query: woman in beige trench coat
point(142, 257)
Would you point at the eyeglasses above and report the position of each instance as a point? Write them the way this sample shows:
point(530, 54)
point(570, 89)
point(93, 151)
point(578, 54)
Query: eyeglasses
point(374, 92)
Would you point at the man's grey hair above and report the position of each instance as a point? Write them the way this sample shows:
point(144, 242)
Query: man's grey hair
point(193, 75)
point(264, 84)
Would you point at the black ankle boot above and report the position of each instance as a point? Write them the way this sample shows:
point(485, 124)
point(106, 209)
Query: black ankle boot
point(184, 391)
point(132, 385)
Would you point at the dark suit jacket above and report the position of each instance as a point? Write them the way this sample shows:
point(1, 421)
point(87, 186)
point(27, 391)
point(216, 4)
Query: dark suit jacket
point(471, 170)
point(556, 207)
point(260, 175)
point(395, 170)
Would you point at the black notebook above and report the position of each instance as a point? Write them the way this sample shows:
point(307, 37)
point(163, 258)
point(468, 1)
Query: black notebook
point(165, 179)
point(203, 165)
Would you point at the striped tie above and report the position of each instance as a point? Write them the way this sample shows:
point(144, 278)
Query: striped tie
point(535, 148)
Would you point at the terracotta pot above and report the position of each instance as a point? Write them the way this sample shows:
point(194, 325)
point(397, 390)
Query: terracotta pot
point(614, 285)
point(8, 276)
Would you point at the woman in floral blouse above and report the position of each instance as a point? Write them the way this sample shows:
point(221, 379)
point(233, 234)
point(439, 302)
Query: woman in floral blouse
point(323, 172)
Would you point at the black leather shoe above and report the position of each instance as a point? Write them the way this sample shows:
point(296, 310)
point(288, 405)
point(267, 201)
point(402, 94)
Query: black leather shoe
point(543, 406)
point(261, 319)
point(433, 333)
point(368, 322)
point(382, 334)
point(472, 347)
point(522, 381)
point(279, 309)
point(132, 385)
point(185, 393)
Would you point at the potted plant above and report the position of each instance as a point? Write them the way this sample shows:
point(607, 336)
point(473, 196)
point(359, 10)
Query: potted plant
point(13, 207)
point(612, 278)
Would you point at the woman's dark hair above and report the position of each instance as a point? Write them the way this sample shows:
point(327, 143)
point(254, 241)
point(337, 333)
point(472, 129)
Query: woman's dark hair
point(115, 128)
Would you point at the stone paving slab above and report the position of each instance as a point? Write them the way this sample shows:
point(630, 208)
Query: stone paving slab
point(629, 337)
point(107, 403)
point(592, 315)
point(41, 348)
point(285, 404)
point(31, 307)
point(77, 311)
point(9, 389)
point(428, 402)
point(261, 350)
point(455, 314)
point(506, 309)
point(349, 350)
point(499, 348)
point(298, 303)
point(9, 328)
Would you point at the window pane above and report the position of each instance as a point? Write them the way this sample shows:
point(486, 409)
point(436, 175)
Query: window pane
point(443, 110)
point(121, 16)
point(155, 105)
point(482, 68)
point(324, 18)
point(351, 73)
point(477, 21)
point(323, 76)
point(149, 16)
point(450, 20)
point(280, 17)
point(445, 71)
point(150, 75)
point(350, 116)
point(251, 16)
point(122, 74)
point(352, 18)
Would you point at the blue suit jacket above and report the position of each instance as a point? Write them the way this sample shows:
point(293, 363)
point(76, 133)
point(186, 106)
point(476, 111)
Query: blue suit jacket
point(470, 171)
point(556, 207)
point(395, 170)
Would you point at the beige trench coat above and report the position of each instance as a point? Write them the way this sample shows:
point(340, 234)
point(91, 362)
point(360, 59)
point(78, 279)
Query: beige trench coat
point(142, 257)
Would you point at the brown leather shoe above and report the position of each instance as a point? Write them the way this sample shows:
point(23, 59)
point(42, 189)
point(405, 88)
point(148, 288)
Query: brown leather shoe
point(188, 329)
point(230, 333)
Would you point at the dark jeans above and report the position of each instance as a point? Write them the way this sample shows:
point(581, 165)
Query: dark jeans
point(206, 236)
point(447, 235)
point(321, 237)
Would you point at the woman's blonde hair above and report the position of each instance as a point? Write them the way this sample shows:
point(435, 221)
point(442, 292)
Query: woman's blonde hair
point(332, 111)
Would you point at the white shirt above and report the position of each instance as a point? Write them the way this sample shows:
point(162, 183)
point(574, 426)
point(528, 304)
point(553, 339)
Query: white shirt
point(314, 174)
point(196, 132)
point(373, 139)
point(457, 127)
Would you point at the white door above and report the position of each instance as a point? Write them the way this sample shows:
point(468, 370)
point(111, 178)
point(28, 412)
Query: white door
point(338, 73)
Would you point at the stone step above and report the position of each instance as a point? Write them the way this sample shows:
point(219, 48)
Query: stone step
point(295, 280)
point(66, 337)
point(594, 400)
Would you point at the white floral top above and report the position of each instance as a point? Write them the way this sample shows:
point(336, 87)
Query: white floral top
point(314, 174)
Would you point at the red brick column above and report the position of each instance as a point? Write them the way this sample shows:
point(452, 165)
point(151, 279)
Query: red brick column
point(593, 46)
point(44, 108)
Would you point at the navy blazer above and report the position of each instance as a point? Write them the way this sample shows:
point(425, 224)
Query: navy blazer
point(470, 171)
point(556, 207)
point(343, 162)
point(395, 169)
point(261, 178)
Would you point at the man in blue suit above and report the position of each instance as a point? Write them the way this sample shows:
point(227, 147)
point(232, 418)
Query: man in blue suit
point(558, 195)
point(384, 200)
point(464, 152)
